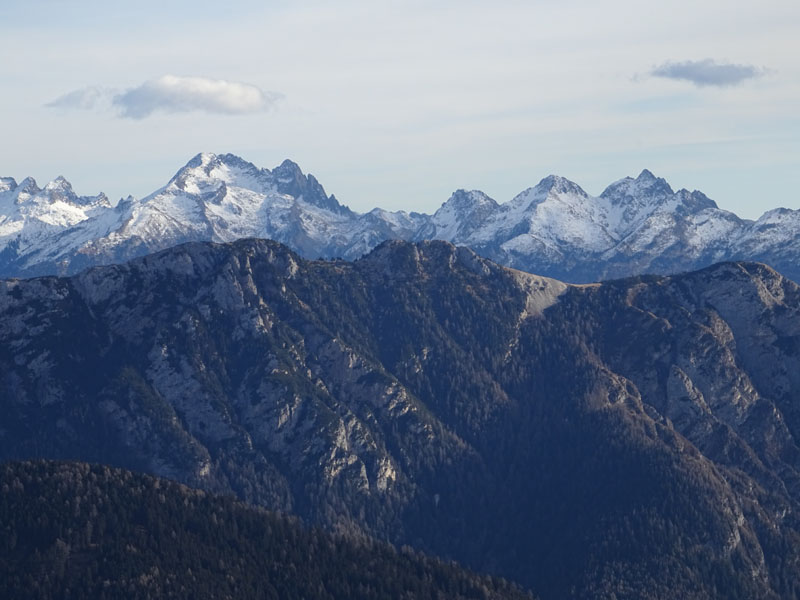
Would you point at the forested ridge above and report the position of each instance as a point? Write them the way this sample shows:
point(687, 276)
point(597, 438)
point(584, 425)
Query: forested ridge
point(73, 530)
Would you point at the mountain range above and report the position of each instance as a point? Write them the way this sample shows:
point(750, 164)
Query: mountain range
point(637, 438)
point(554, 229)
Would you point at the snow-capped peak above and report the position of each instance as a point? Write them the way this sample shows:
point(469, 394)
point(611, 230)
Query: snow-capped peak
point(552, 188)
point(60, 190)
point(554, 213)
point(468, 200)
point(212, 175)
point(554, 227)
point(464, 212)
point(557, 185)
point(59, 184)
point(646, 175)
point(28, 186)
point(207, 172)
point(646, 188)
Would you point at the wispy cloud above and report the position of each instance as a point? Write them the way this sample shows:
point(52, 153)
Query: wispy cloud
point(83, 99)
point(708, 72)
point(172, 94)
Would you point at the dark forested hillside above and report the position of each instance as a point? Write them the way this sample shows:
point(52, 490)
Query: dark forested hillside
point(71, 530)
point(635, 439)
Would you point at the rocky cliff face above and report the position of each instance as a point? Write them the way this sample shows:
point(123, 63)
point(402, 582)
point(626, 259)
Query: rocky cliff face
point(555, 228)
point(637, 437)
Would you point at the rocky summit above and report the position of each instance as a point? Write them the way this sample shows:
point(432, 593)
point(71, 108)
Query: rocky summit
point(555, 228)
point(631, 439)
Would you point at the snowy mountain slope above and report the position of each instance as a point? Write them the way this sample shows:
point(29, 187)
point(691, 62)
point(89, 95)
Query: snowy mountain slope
point(555, 228)
point(635, 226)
point(214, 198)
point(557, 212)
point(48, 224)
point(223, 198)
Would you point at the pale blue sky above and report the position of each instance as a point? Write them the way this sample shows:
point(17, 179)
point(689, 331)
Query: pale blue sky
point(397, 104)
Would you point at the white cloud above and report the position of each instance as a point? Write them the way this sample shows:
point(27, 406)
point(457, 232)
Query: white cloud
point(173, 94)
point(170, 93)
point(708, 72)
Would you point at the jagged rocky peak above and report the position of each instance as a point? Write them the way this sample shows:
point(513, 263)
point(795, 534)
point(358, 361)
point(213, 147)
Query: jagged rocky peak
point(647, 180)
point(469, 200)
point(463, 213)
point(696, 201)
point(125, 202)
point(289, 179)
point(551, 187)
point(22, 192)
point(7, 184)
point(210, 169)
point(646, 187)
point(555, 184)
point(59, 184)
point(60, 190)
point(288, 171)
point(28, 186)
point(647, 176)
point(463, 204)
point(201, 159)
point(103, 199)
point(231, 160)
point(200, 165)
